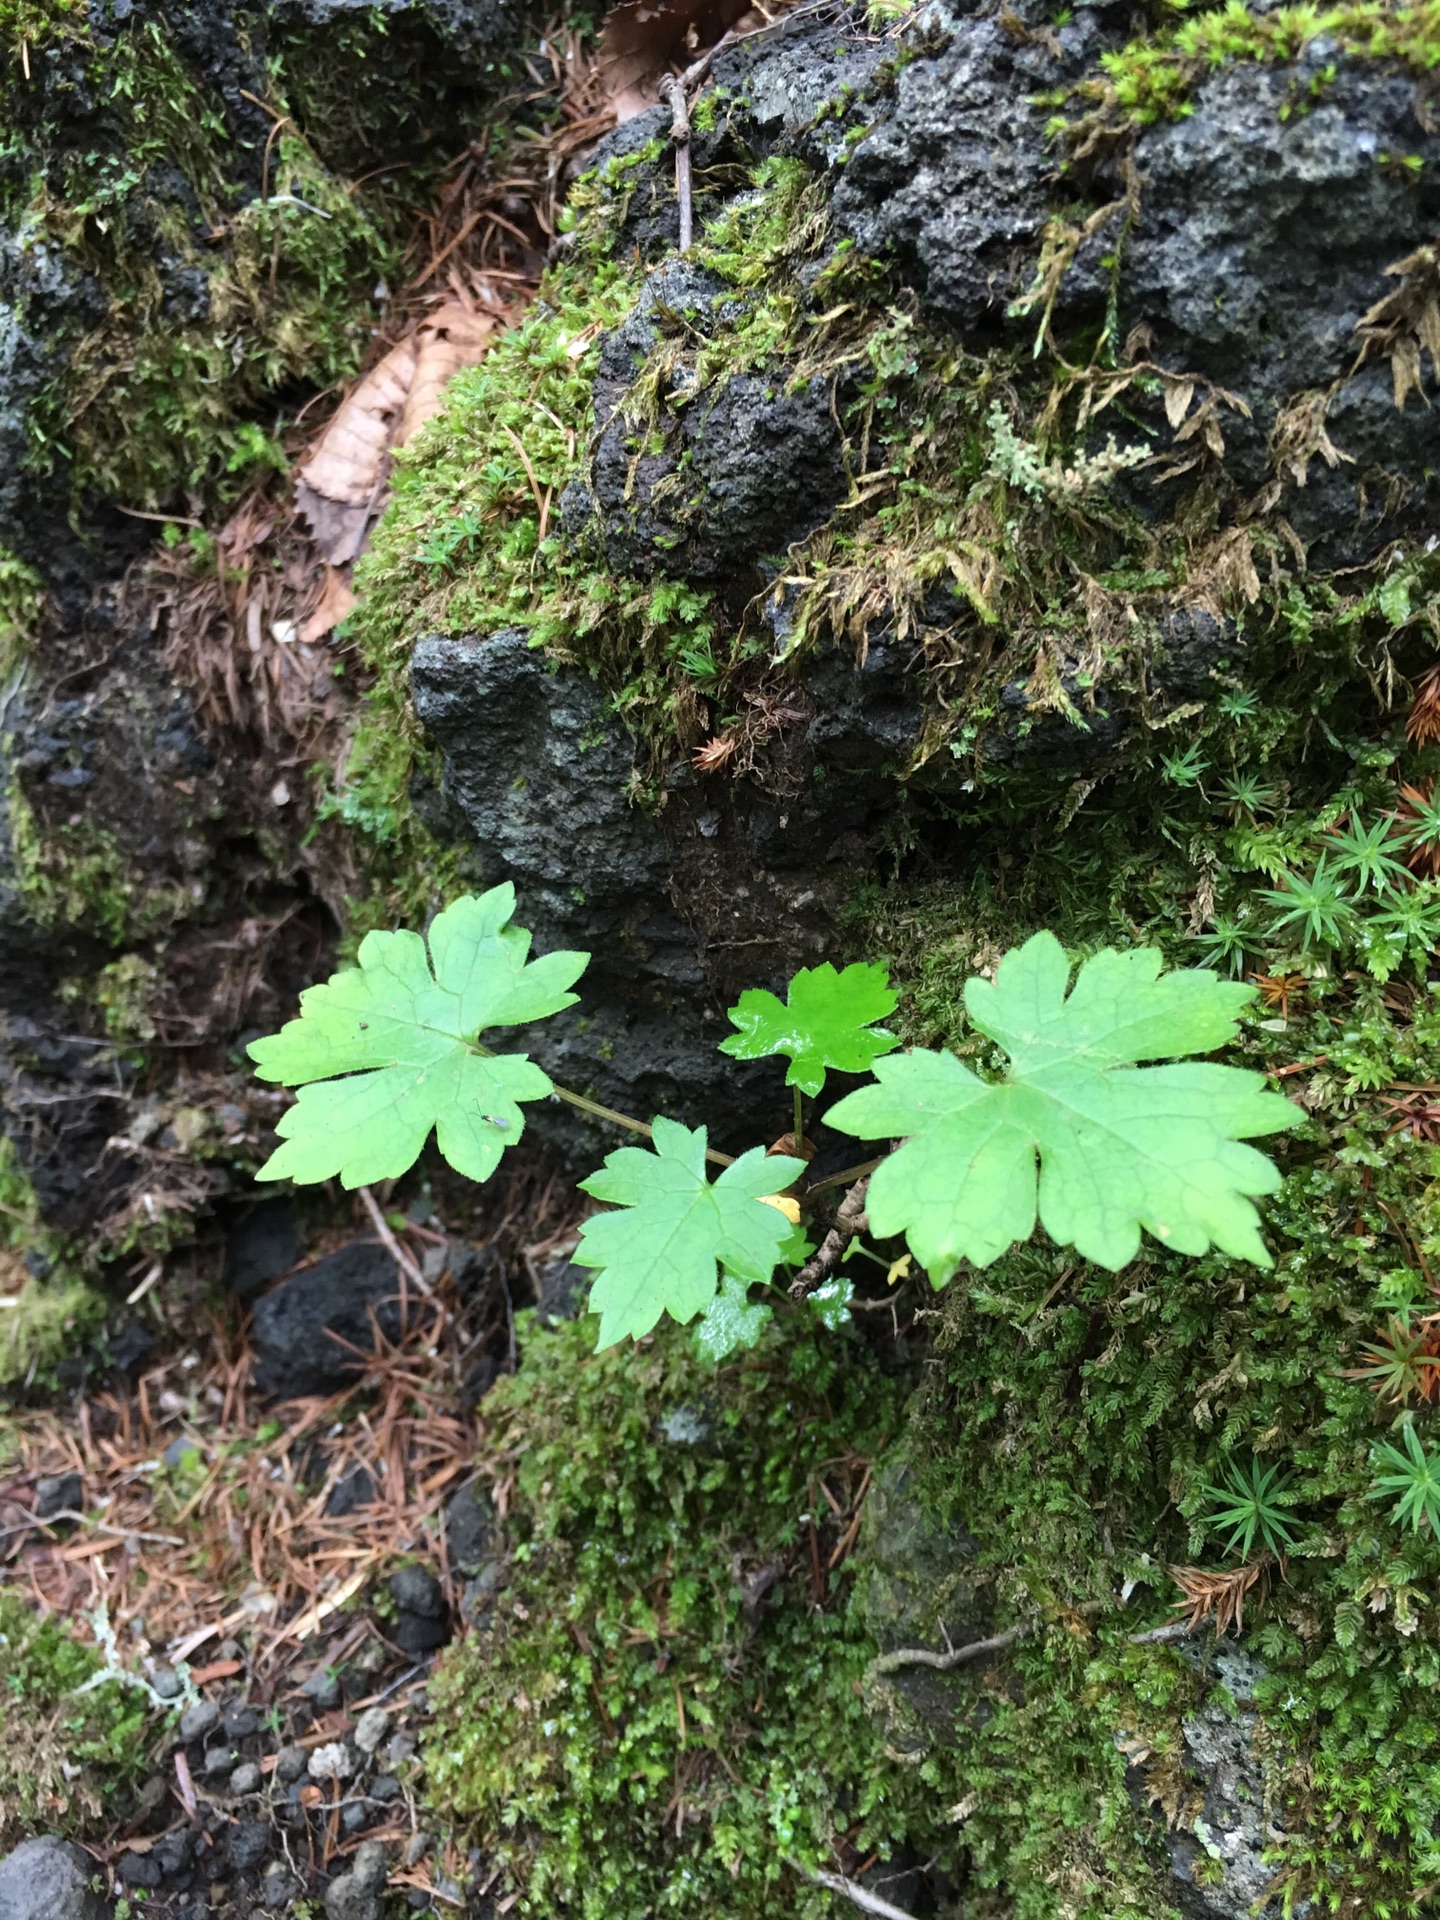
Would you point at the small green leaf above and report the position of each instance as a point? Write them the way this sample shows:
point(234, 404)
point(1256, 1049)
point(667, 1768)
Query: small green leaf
point(1118, 1147)
point(730, 1322)
point(661, 1250)
point(1414, 1476)
point(388, 1050)
point(830, 1303)
point(825, 1021)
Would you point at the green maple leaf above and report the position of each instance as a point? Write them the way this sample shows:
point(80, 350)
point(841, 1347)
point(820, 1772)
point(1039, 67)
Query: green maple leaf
point(1119, 1147)
point(824, 1021)
point(661, 1250)
point(387, 1050)
point(730, 1323)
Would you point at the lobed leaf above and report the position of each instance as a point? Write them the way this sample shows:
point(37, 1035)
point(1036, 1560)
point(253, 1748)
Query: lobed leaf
point(388, 1051)
point(825, 1020)
point(661, 1250)
point(1076, 1135)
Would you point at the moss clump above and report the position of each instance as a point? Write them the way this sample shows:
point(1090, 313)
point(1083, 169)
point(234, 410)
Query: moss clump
point(637, 1731)
point(1153, 78)
point(68, 1754)
point(41, 1320)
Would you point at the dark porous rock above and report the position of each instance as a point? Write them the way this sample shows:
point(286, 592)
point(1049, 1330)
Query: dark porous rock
point(141, 1870)
point(355, 1488)
point(681, 907)
point(920, 1592)
point(307, 1330)
point(542, 777)
point(564, 1290)
point(249, 1845)
point(1263, 238)
point(423, 1624)
point(1217, 1853)
point(953, 178)
point(263, 1243)
point(469, 1527)
point(59, 1493)
point(197, 1721)
point(321, 1689)
point(239, 1721)
point(747, 465)
point(356, 1895)
point(48, 1879)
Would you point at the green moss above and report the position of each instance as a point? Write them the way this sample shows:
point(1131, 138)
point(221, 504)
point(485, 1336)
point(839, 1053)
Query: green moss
point(21, 593)
point(1153, 78)
point(626, 1735)
point(41, 1320)
point(69, 1756)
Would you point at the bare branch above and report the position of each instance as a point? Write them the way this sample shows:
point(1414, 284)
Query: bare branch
point(856, 1895)
point(849, 1220)
point(673, 90)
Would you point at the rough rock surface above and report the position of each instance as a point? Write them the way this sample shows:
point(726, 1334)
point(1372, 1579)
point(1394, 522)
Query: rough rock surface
point(306, 1331)
point(48, 1879)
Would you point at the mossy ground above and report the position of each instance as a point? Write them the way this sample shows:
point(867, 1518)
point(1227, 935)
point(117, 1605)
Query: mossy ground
point(631, 1735)
point(42, 1317)
point(68, 1755)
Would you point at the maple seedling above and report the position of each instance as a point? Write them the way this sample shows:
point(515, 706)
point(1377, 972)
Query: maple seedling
point(672, 1230)
point(388, 1051)
point(1076, 1134)
point(826, 1020)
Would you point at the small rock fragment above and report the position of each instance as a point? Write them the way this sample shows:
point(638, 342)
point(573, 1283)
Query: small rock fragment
point(322, 1690)
point(399, 1747)
point(416, 1848)
point(239, 1720)
point(167, 1683)
point(355, 1895)
point(334, 1761)
point(59, 1493)
point(219, 1760)
point(197, 1721)
point(354, 1818)
point(424, 1623)
point(246, 1778)
point(179, 1450)
point(48, 1879)
point(385, 1787)
point(291, 1762)
point(371, 1728)
point(249, 1844)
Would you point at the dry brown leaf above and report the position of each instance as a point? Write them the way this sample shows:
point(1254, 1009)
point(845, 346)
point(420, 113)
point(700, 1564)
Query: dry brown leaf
point(646, 38)
point(335, 602)
point(346, 464)
point(450, 339)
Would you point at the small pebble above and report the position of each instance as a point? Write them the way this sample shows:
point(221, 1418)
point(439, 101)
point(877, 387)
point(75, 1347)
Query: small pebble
point(166, 1683)
point(239, 1720)
point(291, 1762)
point(353, 1818)
point(218, 1760)
point(228, 1650)
point(196, 1721)
point(400, 1747)
point(334, 1761)
point(322, 1689)
point(246, 1778)
point(371, 1728)
point(178, 1451)
point(416, 1848)
point(249, 1844)
point(385, 1787)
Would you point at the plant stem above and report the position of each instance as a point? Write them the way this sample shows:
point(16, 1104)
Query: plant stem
point(845, 1176)
point(849, 1220)
point(625, 1120)
point(799, 1121)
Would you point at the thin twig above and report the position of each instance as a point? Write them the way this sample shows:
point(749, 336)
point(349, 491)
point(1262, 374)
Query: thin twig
point(100, 1526)
point(977, 1649)
point(849, 1220)
point(391, 1245)
point(626, 1120)
point(857, 1896)
point(673, 90)
point(844, 1177)
point(956, 1657)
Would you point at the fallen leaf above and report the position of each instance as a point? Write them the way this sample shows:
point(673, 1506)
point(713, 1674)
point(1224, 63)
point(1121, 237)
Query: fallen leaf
point(345, 465)
point(335, 602)
point(645, 38)
point(217, 1670)
point(450, 339)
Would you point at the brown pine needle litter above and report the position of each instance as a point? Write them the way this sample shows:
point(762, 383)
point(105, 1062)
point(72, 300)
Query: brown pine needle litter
point(231, 1540)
